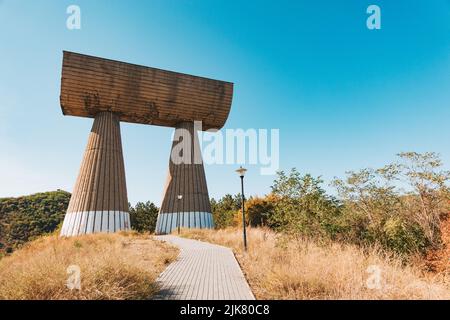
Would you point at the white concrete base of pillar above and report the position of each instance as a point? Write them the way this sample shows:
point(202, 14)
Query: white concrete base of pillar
point(86, 222)
point(167, 222)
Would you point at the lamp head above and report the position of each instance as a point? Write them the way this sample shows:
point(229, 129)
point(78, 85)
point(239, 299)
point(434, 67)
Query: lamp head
point(241, 171)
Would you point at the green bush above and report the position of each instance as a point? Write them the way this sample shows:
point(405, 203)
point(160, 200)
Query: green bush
point(259, 210)
point(403, 237)
point(302, 207)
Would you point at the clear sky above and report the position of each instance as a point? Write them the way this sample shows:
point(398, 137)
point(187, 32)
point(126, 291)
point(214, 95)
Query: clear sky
point(344, 97)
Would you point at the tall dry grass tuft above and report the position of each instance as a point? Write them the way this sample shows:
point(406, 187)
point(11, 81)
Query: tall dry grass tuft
point(113, 266)
point(281, 268)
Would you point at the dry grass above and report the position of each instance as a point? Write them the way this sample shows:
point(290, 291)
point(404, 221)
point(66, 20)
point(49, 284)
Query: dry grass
point(277, 268)
point(113, 266)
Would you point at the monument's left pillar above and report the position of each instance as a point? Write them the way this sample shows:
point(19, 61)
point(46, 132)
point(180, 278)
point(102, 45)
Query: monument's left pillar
point(99, 200)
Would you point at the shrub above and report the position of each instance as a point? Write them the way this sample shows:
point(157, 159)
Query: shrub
point(302, 206)
point(258, 210)
point(403, 237)
point(403, 219)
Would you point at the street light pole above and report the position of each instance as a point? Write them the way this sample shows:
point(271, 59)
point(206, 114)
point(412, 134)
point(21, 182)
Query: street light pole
point(180, 196)
point(241, 171)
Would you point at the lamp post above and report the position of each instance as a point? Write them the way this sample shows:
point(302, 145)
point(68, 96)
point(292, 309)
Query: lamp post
point(241, 171)
point(180, 197)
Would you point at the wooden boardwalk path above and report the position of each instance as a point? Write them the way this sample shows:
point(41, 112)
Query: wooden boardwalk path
point(203, 271)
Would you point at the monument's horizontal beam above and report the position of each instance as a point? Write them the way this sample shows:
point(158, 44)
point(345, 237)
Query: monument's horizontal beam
point(148, 90)
point(141, 103)
point(141, 94)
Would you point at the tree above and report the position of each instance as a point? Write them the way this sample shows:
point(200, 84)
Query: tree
point(225, 210)
point(259, 210)
point(143, 216)
point(369, 201)
point(398, 205)
point(303, 207)
point(429, 193)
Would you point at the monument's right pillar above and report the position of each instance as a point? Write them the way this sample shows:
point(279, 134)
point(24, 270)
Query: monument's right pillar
point(186, 200)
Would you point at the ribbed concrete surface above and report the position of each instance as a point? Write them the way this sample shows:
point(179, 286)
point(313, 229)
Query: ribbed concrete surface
point(187, 178)
point(99, 200)
point(170, 221)
point(203, 271)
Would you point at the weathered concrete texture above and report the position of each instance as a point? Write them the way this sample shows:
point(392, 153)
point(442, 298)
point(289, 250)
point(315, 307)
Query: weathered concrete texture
point(99, 200)
point(187, 178)
point(141, 94)
point(203, 271)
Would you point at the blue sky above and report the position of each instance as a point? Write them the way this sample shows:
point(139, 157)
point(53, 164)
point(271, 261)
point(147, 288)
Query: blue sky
point(344, 97)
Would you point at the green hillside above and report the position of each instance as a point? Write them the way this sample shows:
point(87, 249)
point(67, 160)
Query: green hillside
point(25, 218)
